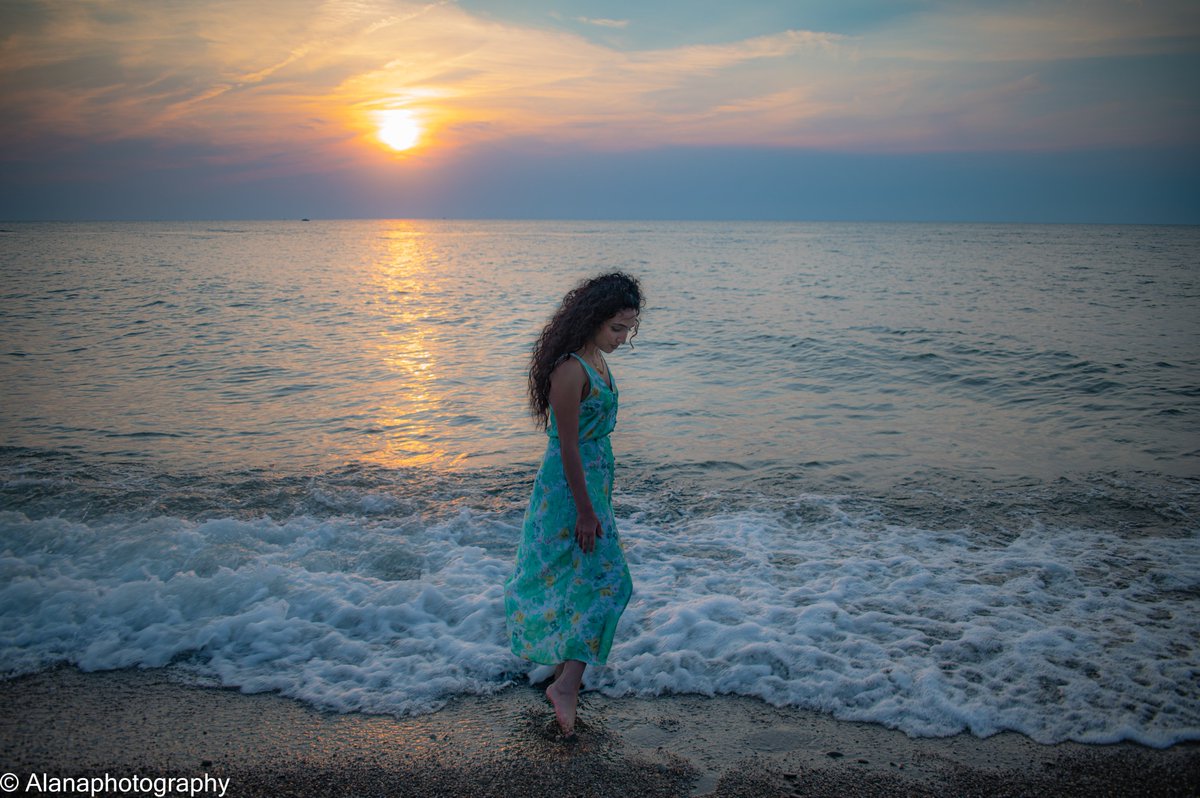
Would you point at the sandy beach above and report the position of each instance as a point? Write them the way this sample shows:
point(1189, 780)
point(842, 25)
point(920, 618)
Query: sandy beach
point(67, 723)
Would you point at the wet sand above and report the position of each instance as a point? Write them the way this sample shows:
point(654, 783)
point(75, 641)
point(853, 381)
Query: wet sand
point(68, 723)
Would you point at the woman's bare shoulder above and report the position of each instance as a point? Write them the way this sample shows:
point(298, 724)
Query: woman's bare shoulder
point(568, 374)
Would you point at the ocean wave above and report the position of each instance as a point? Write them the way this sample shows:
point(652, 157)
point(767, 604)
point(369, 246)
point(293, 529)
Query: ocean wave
point(385, 603)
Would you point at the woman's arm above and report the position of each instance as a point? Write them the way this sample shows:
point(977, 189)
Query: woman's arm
point(567, 384)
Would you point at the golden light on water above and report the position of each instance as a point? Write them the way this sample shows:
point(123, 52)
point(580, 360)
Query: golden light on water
point(412, 409)
point(398, 128)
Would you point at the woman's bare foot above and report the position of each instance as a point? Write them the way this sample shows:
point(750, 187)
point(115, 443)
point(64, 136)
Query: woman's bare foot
point(564, 703)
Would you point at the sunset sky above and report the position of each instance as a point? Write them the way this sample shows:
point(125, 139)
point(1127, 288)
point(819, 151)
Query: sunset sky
point(1084, 110)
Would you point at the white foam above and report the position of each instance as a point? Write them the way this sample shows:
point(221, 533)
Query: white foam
point(1059, 634)
point(263, 605)
point(1065, 634)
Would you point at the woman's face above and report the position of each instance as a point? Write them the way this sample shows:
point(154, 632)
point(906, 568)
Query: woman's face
point(615, 331)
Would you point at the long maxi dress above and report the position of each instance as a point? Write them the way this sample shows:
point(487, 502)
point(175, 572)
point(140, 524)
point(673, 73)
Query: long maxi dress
point(561, 603)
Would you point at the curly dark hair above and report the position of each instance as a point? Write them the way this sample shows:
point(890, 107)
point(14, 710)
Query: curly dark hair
point(583, 310)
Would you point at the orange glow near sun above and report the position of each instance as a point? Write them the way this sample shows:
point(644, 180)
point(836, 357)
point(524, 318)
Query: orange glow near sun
point(398, 129)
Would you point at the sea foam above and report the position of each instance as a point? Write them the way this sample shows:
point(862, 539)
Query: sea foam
point(1061, 634)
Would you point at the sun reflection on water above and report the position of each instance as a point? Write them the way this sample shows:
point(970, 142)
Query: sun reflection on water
point(407, 348)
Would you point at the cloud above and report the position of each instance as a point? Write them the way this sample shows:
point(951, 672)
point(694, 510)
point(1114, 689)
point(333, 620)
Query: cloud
point(1042, 32)
point(291, 84)
point(604, 23)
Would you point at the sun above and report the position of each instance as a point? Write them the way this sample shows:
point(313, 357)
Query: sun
point(398, 129)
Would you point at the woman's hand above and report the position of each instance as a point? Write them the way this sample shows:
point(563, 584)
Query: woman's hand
point(587, 529)
point(567, 384)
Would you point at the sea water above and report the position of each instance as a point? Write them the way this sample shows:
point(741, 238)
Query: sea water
point(939, 477)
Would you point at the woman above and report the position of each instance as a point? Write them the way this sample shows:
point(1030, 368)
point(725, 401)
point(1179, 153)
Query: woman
point(571, 583)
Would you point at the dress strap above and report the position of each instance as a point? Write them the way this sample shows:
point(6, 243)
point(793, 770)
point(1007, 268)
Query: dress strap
point(587, 370)
point(590, 369)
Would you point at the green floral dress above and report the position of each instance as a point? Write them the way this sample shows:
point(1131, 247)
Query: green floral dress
point(561, 603)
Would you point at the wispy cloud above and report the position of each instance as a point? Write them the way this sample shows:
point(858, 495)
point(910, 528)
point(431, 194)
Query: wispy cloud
point(604, 23)
point(1043, 32)
point(283, 79)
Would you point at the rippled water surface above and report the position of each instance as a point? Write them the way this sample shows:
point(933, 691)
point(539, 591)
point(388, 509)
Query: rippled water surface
point(864, 351)
point(942, 477)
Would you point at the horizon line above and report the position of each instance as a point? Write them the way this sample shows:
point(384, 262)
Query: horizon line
point(596, 219)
